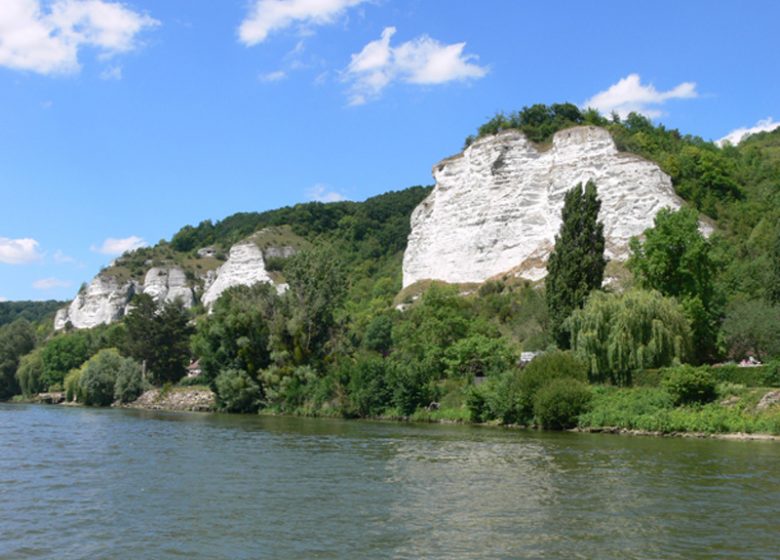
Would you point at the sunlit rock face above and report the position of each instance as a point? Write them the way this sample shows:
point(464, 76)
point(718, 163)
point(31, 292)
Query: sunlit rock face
point(166, 285)
point(245, 266)
point(496, 207)
point(103, 301)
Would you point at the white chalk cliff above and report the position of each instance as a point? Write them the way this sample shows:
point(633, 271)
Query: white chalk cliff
point(106, 300)
point(245, 266)
point(496, 207)
point(102, 301)
point(167, 285)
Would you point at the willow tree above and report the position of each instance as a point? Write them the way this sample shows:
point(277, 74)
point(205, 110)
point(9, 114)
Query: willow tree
point(576, 264)
point(618, 334)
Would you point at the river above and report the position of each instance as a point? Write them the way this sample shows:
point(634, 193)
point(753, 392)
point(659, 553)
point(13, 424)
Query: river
point(115, 484)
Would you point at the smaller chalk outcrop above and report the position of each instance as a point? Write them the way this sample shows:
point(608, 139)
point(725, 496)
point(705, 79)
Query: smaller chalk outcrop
point(103, 301)
point(245, 266)
point(166, 285)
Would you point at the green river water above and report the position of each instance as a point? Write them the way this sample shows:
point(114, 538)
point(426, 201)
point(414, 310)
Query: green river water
point(93, 484)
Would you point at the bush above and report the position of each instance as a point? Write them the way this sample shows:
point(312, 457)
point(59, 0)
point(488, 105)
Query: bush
point(129, 384)
point(29, 374)
point(236, 391)
point(367, 386)
point(558, 404)
point(543, 370)
point(72, 380)
point(689, 385)
point(99, 374)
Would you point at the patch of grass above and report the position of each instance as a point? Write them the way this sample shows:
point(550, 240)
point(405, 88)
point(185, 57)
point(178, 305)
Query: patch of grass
point(651, 409)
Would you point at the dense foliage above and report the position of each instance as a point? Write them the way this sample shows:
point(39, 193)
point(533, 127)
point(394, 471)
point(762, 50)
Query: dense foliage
point(576, 265)
point(31, 311)
point(345, 340)
point(618, 334)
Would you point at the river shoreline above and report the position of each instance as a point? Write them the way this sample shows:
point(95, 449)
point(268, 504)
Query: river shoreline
point(202, 400)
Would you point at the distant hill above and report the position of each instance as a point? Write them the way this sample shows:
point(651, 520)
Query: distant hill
point(33, 311)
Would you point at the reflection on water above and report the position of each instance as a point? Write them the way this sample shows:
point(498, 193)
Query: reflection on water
point(81, 483)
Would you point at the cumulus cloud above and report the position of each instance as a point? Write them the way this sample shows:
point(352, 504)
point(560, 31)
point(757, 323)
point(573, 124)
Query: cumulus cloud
point(630, 95)
point(738, 135)
point(113, 246)
point(47, 41)
point(19, 251)
point(423, 61)
point(321, 193)
point(266, 16)
point(3, 299)
point(50, 284)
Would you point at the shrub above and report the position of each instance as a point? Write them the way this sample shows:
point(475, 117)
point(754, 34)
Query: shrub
point(541, 371)
point(558, 404)
point(367, 386)
point(99, 374)
point(72, 385)
point(689, 385)
point(236, 391)
point(29, 374)
point(129, 384)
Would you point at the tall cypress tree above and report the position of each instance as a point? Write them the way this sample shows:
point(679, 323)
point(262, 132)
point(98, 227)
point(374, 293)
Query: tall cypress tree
point(576, 264)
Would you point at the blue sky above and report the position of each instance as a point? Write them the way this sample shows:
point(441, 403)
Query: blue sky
point(120, 122)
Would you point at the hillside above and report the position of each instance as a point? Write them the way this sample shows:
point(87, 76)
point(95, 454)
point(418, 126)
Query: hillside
point(300, 309)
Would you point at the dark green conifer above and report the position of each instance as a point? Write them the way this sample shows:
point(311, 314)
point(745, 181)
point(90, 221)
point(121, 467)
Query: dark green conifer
point(576, 264)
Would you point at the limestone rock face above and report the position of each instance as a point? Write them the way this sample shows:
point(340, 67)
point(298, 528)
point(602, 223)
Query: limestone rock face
point(497, 206)
point(245, 266)
point(168, 284)
point(104, 300)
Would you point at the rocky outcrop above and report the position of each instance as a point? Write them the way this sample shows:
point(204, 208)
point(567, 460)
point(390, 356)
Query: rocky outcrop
point(167, 285)
point(496, 207)
point(245, 266)
point(179, 399)
point(104, 300)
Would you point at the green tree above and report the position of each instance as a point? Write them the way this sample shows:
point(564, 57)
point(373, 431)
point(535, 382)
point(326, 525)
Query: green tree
point(618, 334)
point(161, 338)
point(576, 264)
point(97, 380)
point(773, 290)
point(30, 373)
point(674, 259)
point(63, 353)
point(318, 285)
point(751, 328)
point(236, 334)
point(16, 340)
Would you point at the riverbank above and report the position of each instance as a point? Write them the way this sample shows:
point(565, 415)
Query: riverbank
point(744, 414)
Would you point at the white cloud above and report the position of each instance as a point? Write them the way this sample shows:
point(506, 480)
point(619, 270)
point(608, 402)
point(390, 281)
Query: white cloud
point(113, 246)
point(3, 299)
point(320, 193)
point(276, 76)
point(738, 135)
point(266, 16)
point(18, 251)
point(50, 284)
point(630, 95)
point(420, 61)
point(48, 41)
point(61, 258)
point(111, 73)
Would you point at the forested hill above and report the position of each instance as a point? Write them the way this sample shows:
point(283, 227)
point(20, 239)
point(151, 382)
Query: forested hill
point(32, 311)
point(343, 339)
